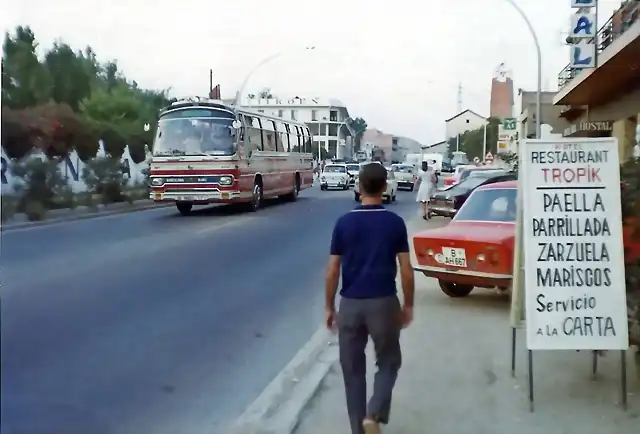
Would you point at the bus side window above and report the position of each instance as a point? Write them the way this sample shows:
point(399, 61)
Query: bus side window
point(269, 131)
point(298, 139)
point(280, 136)
point(253, 134)
point(288, 141)
point(307, 140)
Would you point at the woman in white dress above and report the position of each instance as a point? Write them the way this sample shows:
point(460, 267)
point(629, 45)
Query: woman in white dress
point(427, 180)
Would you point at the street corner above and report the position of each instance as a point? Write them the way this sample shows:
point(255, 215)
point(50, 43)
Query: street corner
point(277, 410)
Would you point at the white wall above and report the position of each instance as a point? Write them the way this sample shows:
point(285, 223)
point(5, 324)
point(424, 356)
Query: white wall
point(463, 123)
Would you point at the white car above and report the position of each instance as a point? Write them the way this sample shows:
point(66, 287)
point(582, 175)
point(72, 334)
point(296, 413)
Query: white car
point(334, 176)
point(353, 169)
point(405, 175)
point(392, 187)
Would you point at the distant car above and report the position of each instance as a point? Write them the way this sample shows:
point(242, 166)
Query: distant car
point(352, 170)
point(389, 195)
point(446, 166)
point(405, 175)
point(476, 170)
point(446, 203)
point(476, 248)
point(334, 176)
point(453, 179)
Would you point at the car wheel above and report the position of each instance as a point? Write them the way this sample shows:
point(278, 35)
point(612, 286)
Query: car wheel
point(411, 188)
point(356, 196)
point(256, 197)
point(455, 290)
point(323, 187)
point(184, 207)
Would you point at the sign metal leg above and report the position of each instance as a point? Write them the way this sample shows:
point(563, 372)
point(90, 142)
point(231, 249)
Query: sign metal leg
point(623, 379)
point(530, 380)
point(513, 352)
point(594, 364)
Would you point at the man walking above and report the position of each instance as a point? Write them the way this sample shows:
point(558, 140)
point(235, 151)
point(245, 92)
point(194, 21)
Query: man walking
point(365, 246)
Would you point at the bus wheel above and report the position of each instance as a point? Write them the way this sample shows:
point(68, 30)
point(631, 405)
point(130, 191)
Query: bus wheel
point(256, 198)
point(184, 207)
point(295, 189)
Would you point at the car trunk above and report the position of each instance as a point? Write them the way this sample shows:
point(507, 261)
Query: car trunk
point(485, 247)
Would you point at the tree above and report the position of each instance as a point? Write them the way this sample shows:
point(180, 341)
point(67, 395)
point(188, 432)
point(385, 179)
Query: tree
point(25, 81)
point(472, 142)
point(358, 126)
point(70, 76)
point(266, 94)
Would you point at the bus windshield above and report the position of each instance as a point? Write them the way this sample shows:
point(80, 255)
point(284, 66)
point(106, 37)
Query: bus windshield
point(195, 136)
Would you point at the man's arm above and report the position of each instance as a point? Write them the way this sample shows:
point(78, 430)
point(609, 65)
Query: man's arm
point(331, 283)
point(333, 268)
point(406, 270)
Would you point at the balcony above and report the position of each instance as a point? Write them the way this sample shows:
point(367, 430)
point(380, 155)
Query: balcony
point(618, 62)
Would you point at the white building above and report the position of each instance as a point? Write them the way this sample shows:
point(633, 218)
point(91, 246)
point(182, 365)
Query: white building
point(326, 118)
point(464, 121)
point(403, 146)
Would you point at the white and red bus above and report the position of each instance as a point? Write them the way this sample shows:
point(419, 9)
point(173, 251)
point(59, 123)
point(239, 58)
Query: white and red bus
point(207, 152)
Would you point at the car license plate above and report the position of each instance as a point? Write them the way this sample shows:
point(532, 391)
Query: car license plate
point(454, 257)
point(192, 198)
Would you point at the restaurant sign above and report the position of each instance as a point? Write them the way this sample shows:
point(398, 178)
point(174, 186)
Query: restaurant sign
point(572, 226)
point(598, 126)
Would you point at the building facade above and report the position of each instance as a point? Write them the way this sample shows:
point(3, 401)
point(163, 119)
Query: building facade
point(550, 114)
point(327, 119)
point(604, 101)
point(464, 121)
point(373, 139)
point(401, 146)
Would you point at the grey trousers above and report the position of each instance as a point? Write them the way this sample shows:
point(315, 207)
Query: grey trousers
point(357, 320)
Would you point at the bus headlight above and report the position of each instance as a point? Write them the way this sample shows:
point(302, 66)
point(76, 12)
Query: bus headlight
point(226, 180)
point(157, 182)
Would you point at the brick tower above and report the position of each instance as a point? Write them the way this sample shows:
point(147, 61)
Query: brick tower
point(502, 99)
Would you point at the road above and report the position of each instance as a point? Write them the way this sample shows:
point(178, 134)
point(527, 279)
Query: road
point(151, 322)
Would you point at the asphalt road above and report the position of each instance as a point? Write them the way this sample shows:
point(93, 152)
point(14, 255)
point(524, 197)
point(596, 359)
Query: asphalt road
point(151, 322)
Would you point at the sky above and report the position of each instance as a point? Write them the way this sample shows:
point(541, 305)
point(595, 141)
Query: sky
point(395, 63)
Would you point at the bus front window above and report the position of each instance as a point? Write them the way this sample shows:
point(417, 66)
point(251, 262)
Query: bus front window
point(195, 137)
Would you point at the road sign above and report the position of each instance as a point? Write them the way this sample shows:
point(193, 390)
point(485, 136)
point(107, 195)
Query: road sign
point(572, 233)
point(510, 124)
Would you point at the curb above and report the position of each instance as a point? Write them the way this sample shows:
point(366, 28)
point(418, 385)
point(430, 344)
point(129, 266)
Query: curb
point(5, 227)
point(278, 408)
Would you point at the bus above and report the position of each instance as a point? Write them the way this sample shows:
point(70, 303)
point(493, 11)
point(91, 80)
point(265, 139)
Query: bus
point(208, 152)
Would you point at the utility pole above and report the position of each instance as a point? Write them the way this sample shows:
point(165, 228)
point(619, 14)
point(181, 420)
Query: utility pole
point(459, 106)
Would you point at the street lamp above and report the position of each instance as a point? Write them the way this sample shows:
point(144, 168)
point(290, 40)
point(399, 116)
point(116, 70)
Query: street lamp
point(264, 61)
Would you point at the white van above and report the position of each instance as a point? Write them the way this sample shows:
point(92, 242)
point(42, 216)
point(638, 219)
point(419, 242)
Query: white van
point(434, 160)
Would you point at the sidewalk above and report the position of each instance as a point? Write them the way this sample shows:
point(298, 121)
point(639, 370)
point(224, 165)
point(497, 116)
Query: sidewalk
point(455, 378)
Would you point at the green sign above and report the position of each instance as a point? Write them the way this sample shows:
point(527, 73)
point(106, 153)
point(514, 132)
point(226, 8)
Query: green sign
point(510, 124)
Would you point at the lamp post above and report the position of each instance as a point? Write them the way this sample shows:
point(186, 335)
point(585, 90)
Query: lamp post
point(260, 64)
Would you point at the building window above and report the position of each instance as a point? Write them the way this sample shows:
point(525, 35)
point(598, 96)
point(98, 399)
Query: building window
point(333, 130)
point(333, 116)
point(260, 111)
point(280, 113)
point(314, 115)
point(293, 115)
point(314, 129)
point(333, 148)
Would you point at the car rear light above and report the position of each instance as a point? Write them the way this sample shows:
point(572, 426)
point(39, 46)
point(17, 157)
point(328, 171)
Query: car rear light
point(492, 256)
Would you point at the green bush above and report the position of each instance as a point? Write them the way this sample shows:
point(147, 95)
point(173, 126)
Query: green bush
point(103, 176)
point(8, 207)
point(41, 185)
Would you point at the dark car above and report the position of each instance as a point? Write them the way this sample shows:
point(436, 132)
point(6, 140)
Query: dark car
point(446, 166)
point(473, 171)
point(447, 202)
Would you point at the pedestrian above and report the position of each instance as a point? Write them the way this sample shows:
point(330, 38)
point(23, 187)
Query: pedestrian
point(428, 181)
point(366, 246)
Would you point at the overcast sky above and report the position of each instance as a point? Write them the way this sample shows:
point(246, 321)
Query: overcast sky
point(395, 63)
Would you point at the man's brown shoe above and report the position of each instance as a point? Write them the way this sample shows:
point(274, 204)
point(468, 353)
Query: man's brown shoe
point(371, 426)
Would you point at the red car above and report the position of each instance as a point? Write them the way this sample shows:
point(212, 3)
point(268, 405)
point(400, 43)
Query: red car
point(476, 247)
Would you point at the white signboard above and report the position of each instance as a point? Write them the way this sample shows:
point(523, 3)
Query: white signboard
point(574, 268)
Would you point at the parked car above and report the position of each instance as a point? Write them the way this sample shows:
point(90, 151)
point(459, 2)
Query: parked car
point(476, 248)
point(453, 179)
point(352, 170)
point(447, 202)
point(392, 187)
point(334, 176)
point(478, 170)
point(405, 176)
point(446, 166)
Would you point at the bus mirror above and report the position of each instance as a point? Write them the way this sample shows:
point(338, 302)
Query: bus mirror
point(236, 124)
point(147, 127)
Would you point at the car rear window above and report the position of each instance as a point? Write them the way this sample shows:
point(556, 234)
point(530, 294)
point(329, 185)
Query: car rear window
point(492, 205)
point(335, 169)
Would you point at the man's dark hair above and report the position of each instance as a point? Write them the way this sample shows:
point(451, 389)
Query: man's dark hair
point(373, 178)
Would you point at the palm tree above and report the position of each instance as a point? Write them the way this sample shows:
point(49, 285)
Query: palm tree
point(358, 126)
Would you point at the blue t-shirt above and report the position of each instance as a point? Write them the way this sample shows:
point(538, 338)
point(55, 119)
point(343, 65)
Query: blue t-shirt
point(368, 240)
